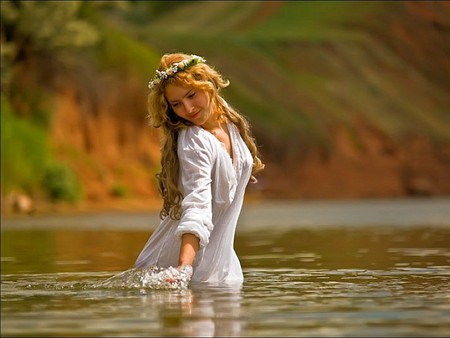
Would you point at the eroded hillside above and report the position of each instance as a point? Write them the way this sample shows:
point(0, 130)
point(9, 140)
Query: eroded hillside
point(346, 99)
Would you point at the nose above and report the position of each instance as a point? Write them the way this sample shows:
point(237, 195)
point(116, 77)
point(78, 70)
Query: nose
point(188, 108)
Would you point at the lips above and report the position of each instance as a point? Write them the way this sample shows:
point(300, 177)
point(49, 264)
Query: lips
point(195, 115)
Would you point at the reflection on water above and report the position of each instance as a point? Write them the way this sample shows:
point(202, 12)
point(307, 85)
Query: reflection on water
point(273, 302)
point(73, 303)
point(322, 281)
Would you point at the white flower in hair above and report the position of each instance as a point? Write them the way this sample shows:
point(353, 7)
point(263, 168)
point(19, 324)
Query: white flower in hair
point(162, 75)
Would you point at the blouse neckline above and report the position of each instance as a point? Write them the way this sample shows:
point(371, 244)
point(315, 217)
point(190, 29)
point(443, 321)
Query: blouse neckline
point(232, 135)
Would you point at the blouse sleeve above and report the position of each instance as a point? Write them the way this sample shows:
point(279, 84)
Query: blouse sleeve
point(196, 159)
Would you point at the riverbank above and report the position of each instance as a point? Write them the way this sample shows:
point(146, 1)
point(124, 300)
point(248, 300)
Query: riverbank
point(11, 210)
point(261, 215)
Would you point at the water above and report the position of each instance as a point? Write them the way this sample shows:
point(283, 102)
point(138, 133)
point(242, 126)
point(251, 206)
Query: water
point(373, 268)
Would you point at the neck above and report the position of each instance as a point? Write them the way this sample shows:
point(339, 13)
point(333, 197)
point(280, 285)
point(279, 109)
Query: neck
point(213, 123)
point(211, 126)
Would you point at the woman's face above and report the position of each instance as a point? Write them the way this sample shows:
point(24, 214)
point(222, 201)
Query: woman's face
point(188, 103)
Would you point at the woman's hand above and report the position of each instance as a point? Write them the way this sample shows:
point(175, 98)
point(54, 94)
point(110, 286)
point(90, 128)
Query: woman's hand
point(181, 274)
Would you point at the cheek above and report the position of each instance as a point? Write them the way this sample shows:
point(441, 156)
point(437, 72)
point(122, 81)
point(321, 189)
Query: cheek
point(205, 101)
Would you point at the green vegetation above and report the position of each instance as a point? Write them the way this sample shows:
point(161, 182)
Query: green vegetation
point(314, 21)
point(27, 162)
point(120, 53)
point(25, 151)
point(119, 190)
point(297, 70)
point(310, 65)
point(61, 184)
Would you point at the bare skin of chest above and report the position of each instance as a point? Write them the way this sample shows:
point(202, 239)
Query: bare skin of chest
point(223, 136)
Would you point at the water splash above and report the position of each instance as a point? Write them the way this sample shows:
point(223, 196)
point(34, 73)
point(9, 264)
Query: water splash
point(150, 278)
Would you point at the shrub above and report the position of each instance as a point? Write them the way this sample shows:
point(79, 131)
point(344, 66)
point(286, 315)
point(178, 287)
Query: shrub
point(61, 184)
point(25, 151)
point(119, 190)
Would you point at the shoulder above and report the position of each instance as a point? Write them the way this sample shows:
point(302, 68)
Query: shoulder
point(196, 139)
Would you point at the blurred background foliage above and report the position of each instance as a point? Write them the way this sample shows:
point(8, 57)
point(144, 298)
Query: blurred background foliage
point(350, 98)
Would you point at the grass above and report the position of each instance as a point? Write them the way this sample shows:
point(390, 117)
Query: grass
point(119, 52)
point(314, 21)
point(345, 72)
point(25, 151)
point(307, 66)
point(61, 184)
point(27, 161)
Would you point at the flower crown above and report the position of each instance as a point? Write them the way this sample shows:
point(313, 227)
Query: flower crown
point(175, 68)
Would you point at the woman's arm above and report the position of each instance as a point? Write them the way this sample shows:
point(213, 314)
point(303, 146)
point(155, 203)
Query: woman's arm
point(196, 157)
point(189, 247)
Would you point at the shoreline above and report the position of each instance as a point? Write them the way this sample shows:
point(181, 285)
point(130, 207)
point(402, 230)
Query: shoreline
point(85, 207)
point(258, 215)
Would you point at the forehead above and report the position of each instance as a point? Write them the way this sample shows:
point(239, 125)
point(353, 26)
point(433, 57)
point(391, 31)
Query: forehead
point(174, 92)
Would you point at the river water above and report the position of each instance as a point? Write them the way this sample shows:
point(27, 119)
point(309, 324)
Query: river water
point(349, 268)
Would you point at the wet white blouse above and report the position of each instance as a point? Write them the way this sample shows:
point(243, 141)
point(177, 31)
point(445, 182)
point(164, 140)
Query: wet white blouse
point(213, 185)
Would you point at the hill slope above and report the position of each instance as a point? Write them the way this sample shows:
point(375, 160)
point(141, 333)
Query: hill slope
point(346, 99)
point(352, 95)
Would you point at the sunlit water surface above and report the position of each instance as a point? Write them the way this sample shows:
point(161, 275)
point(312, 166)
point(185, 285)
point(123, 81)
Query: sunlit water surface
point(347, 278)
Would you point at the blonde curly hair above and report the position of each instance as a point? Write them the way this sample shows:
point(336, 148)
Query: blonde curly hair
point(202, 77)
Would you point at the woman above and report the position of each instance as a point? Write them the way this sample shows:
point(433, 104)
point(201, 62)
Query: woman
point(208, 157)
